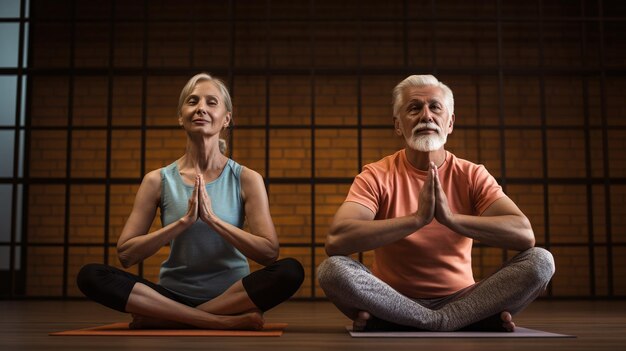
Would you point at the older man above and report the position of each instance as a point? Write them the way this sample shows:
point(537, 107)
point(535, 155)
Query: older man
point(420, 209)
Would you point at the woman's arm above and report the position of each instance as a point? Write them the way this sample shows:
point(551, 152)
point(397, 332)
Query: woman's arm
point(261, 244)
point(134, 245)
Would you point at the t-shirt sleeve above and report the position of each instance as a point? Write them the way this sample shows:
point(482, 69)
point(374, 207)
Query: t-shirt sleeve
point(365, 190)
point(485, 189)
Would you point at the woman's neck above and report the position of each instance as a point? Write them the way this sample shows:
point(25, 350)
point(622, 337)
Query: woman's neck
point(203, 155)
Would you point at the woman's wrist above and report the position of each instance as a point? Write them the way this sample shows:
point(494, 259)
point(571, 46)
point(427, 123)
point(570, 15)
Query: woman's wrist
point(210, 219)
point(187, 221)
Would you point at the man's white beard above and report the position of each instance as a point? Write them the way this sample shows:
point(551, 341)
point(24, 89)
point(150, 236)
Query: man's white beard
point(428, 142)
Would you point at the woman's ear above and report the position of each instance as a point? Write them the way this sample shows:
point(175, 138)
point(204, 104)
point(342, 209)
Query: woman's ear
point(227, 120)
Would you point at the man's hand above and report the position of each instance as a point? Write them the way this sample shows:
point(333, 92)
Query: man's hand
point(427, 199)
point(443, 214)
point(205, 210)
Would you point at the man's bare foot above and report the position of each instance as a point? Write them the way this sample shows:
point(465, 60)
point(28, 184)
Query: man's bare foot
point(360, 321)
point(507, 321)
point(500, 322)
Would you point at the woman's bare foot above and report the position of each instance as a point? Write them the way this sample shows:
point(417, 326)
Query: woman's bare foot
point(247, 321)
point(144, 322)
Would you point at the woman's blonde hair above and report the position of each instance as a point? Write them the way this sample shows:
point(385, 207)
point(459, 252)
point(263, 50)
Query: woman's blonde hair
point(203, 77)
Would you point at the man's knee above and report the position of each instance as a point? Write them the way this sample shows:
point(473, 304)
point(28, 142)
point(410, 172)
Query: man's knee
point(336, 271)
point(542, 263)
point(329, 267)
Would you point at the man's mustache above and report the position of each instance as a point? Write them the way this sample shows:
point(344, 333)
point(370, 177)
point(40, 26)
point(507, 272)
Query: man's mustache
point(426, 126)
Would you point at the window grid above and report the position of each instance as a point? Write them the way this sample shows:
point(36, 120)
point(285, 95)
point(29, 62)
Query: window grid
point(270, 18)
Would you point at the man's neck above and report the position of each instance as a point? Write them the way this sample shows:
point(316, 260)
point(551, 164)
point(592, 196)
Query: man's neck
point(421, 160)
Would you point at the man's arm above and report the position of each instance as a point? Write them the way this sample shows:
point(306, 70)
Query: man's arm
point(354, 229)
point(502, 224)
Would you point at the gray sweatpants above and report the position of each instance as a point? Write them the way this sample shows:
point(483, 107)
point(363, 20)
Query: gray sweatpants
point(353, 288)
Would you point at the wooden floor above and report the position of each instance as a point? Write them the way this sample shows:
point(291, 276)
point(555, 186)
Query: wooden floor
point(599, 325)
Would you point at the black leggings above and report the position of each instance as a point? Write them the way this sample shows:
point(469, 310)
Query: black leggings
point(266, 287)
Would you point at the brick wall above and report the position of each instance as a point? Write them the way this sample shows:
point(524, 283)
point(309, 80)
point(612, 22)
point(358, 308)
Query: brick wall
point(321, 116)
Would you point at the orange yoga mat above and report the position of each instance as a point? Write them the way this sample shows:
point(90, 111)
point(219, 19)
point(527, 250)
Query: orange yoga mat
point(121, 329)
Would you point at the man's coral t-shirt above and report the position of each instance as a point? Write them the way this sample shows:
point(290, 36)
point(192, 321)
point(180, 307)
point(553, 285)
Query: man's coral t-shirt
point(434, 261)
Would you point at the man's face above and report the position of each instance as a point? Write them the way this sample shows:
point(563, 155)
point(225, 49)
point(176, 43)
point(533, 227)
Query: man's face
point(423, 119)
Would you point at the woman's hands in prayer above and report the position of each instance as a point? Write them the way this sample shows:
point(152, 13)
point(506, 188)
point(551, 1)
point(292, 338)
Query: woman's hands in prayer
point(205, 210)
point(199, 204)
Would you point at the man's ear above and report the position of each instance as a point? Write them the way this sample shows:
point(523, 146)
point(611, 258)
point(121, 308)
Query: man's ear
point(451, 124)
point(396, 124)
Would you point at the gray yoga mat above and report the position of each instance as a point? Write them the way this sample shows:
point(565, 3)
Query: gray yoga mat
point(518, 333)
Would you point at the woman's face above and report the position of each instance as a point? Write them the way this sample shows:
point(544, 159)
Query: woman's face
point(204, 110)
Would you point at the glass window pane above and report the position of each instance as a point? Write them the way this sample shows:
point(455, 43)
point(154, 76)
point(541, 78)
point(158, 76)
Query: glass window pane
point(25, 47)
point(9, 35)
point(6, 209)
point(23, 102)
point(8, 85)
point(5, 254)
point(20, 155)
point(9, 8)
point(18, 215)
point(6, 156)
point(4, 259)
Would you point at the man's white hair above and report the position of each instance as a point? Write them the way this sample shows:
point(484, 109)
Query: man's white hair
point(421, 81)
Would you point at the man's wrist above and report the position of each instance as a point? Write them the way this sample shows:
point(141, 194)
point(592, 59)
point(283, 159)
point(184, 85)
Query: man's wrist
point(419, 221)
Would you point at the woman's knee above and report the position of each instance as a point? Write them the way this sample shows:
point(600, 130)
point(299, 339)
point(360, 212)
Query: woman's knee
point(290, 272)
point(105, 284)
point(88, 278)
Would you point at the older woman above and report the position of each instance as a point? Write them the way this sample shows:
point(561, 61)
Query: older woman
point(204, 198)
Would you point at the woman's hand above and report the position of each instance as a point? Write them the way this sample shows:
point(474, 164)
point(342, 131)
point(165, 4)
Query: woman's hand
point(205, 210)
point(192, 209)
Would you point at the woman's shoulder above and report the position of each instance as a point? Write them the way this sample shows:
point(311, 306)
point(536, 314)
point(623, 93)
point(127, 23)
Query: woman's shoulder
point(251, 182)
point(152, 179)
point(250, 176)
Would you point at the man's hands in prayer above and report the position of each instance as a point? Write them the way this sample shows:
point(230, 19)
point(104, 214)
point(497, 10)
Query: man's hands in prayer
point(433, 202)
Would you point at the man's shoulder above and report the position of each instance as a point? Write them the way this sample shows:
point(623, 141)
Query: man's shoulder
point(385, 164)
point(463, 165)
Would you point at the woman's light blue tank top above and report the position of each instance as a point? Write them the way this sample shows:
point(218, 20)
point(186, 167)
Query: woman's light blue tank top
point(201, 264)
